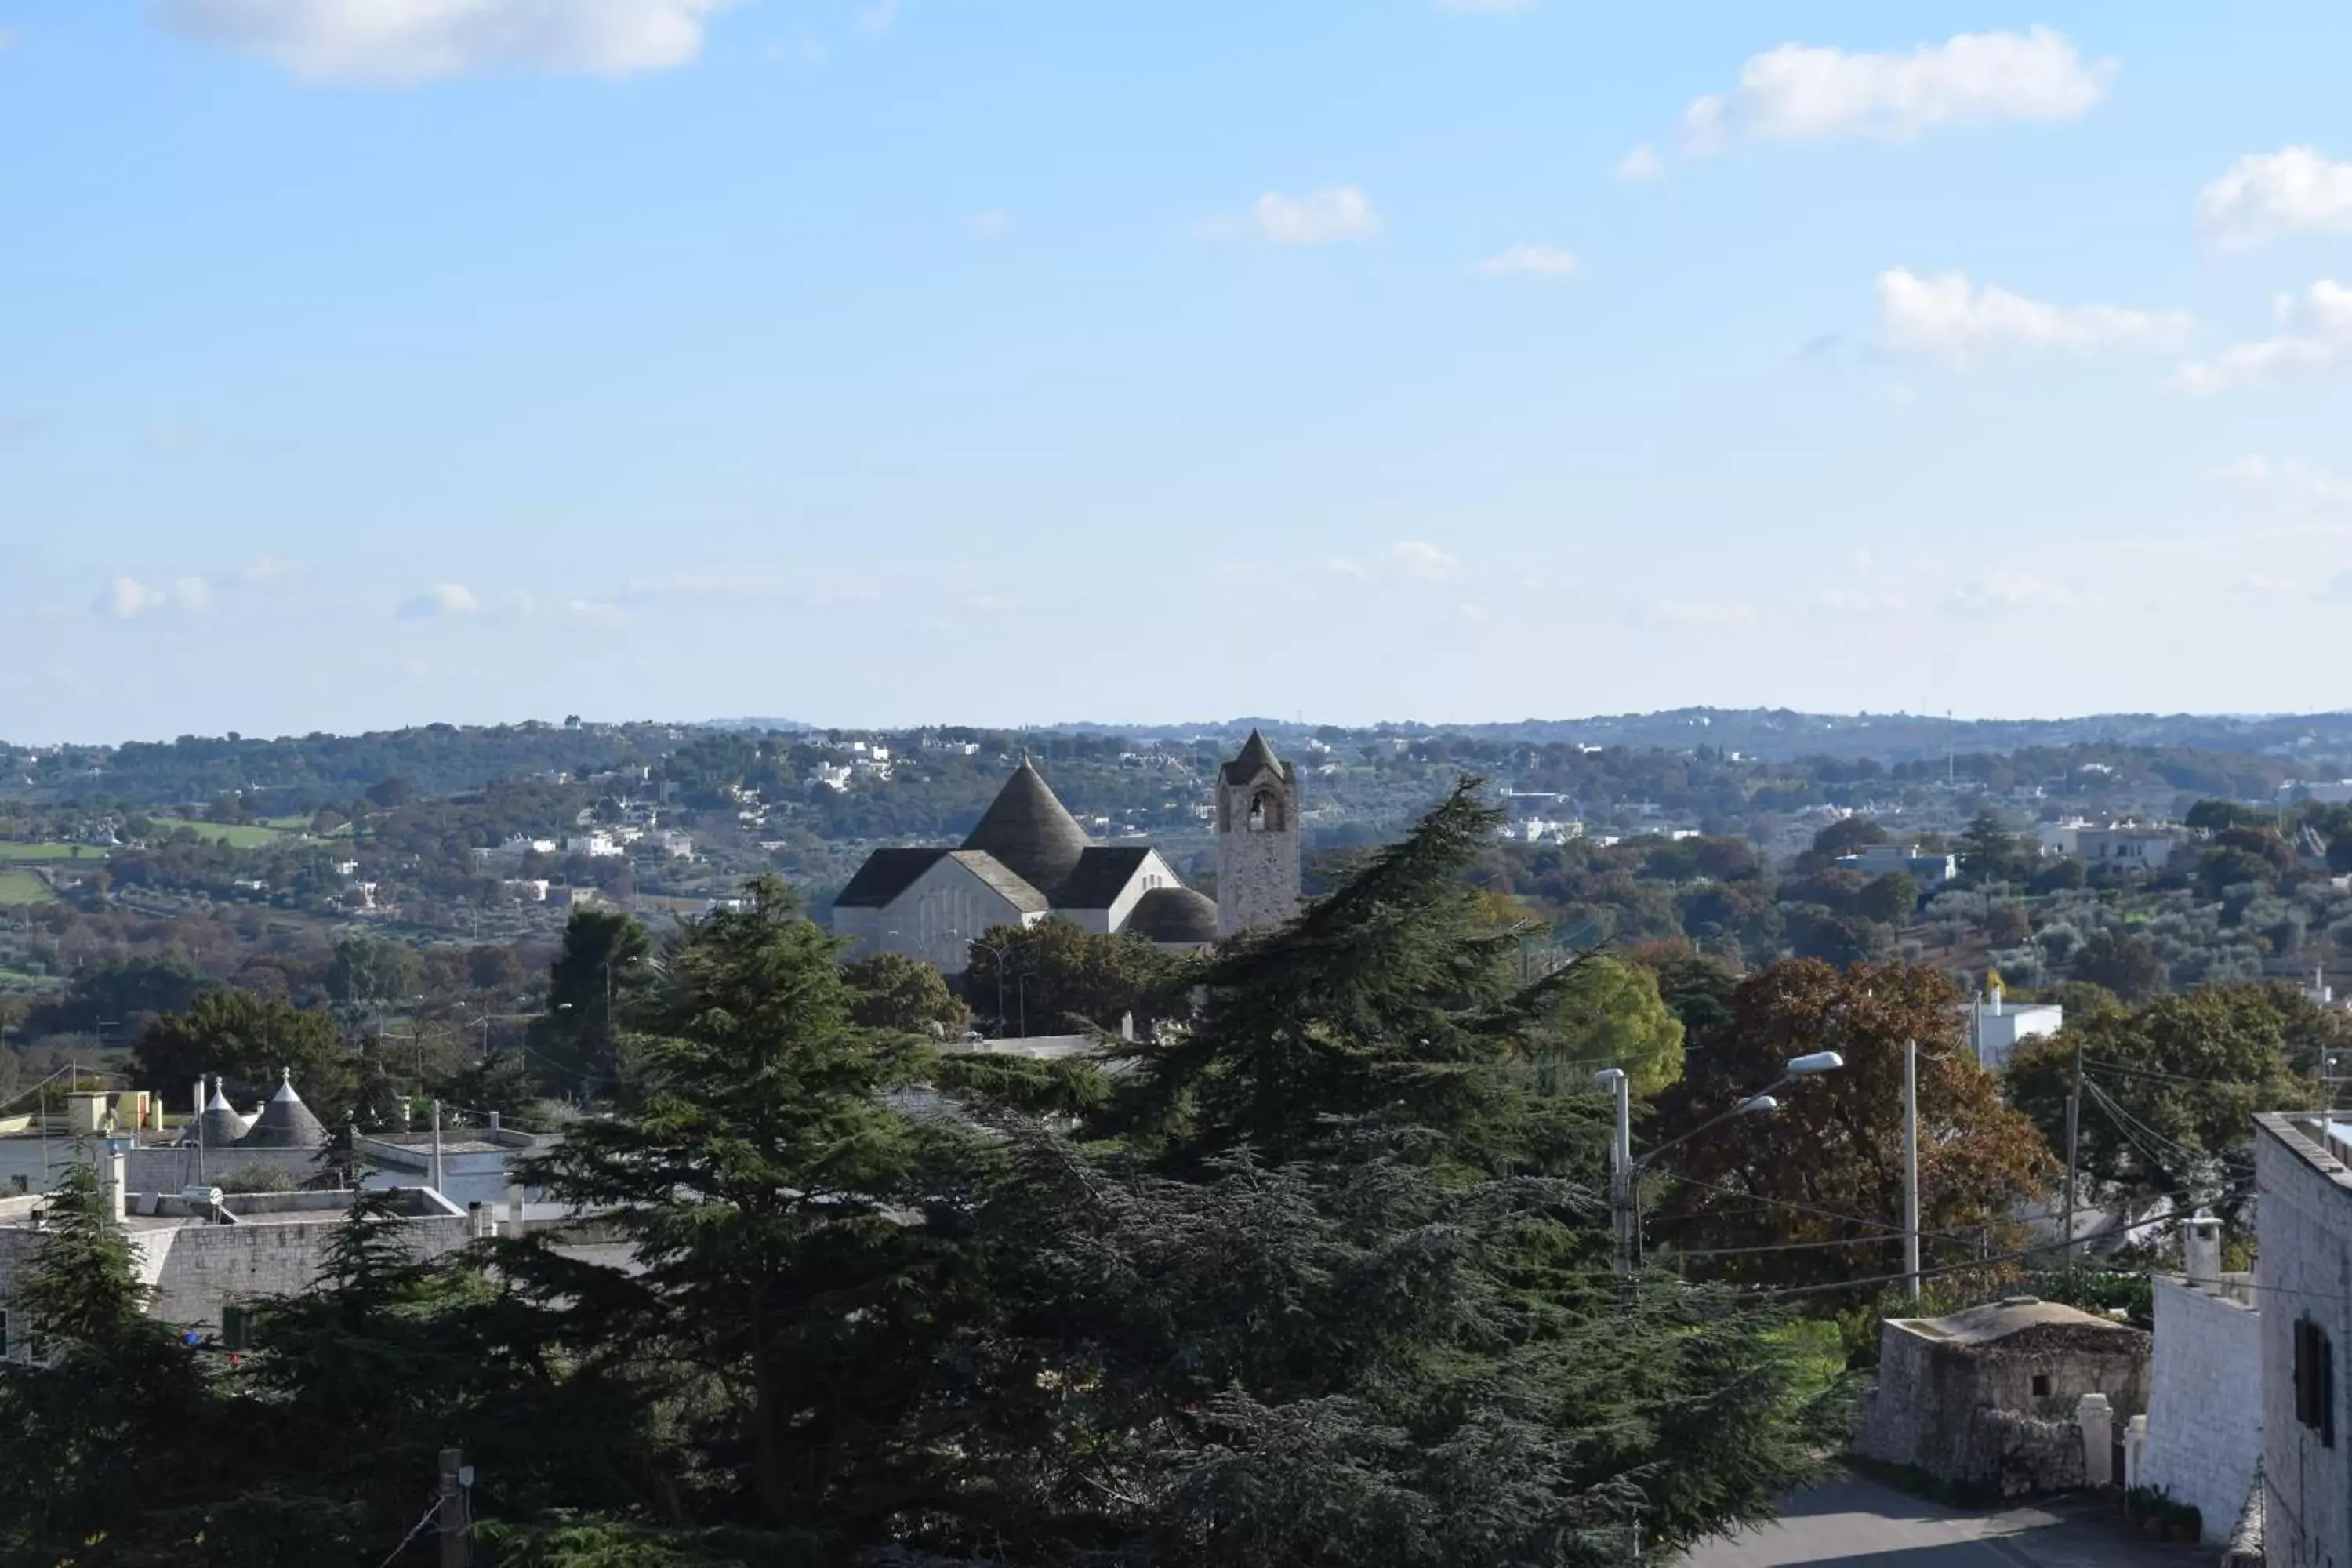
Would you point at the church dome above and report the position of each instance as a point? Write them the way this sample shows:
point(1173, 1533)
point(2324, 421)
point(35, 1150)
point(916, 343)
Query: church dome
point(1029, 832)
point(284, 1123)
point(1174, 917)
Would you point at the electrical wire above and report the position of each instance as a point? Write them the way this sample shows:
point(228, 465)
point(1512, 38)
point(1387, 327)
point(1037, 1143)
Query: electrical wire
point(1786, 1292)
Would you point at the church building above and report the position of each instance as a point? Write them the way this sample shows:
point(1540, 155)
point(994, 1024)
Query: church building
point(1029, 860)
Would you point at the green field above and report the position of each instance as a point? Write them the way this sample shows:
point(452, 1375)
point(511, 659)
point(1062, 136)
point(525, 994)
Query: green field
point(236, 836)
point(52, 851)
point(23, 887)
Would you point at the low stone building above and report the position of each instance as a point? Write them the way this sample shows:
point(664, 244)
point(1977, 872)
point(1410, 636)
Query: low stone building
point(201, 1254)
point(1986, 1399)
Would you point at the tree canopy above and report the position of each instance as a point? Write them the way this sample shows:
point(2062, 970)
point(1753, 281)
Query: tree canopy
point(1813, 1194)
point(2171, 1090)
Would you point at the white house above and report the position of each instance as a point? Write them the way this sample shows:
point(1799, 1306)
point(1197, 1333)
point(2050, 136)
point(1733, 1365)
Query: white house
point(1996, 1025)
point(1929, 870)
point(595, 845)
point(2127, 846)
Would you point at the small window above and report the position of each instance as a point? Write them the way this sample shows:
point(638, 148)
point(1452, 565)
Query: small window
point(2314, 1381)
point(5, 1346)
point(2040, 1386)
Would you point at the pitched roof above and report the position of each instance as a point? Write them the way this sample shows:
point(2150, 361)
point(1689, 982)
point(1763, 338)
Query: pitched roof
point(886, 874)
point(1257, 757)
point(1100, 876)
point(1175, 915)
point(1029, 831)
point(1022, 894)
point(284, 1123)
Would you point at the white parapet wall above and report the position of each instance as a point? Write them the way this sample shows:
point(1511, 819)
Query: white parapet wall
point(2205, 1399)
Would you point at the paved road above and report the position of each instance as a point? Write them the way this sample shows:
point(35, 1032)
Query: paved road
point(1860, 1524)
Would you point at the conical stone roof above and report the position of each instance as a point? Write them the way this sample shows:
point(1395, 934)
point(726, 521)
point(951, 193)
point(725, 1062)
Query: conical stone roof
point(285, 1122)
point(1029, 832)
point(220, 1125)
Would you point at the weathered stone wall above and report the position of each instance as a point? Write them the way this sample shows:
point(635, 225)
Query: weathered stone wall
point(198, 1269)
point(2302, 1268)
point(1258, 873)
point(2204, 1411)
point(2025, 1456)
point(167, 1170)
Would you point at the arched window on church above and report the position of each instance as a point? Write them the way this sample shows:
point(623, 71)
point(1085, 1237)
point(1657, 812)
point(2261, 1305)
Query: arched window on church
point(1266, 814)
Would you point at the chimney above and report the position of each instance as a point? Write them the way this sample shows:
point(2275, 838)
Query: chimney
point(494, 1126)
point(1127, 1025)
point(1996, 1001)
point(199, 1109)
point(2200, 1244)
point(117, 1176)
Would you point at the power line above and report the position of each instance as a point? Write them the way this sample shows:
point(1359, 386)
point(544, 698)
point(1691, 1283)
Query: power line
point(1771, 1294)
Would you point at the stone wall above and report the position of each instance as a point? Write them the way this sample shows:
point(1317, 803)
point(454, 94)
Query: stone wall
point(197, 1269)
point(165, 1169)
point(2302, 1268)
point(1258, 873)
point(2026, 1455)
point(2204, 1408)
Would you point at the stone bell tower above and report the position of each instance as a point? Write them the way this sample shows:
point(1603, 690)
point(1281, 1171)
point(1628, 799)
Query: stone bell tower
point(1257, 839)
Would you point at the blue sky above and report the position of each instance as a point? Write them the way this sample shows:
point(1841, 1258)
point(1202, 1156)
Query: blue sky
point(366, 364)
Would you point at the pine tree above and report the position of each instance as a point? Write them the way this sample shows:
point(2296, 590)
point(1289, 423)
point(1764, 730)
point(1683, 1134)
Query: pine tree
point(107, 1431)
point(768, 1190)
point(1347, 1297)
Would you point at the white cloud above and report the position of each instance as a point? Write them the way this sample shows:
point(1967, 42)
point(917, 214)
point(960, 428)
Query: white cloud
point(1862, 602)
point(1699, 614)
point(988, 223)
point(400, 41)
point(1528, 261)
point(2265, 195)
point(2001, 591)
point(2318, 338)
point(439, 600)
point(2301, 485)
point(1419, 558)
point(1802, 93)
point(129, 599)
point(1640, 163)
point(1961, 322)
point(877, 20)
point(1414, 558)
point(1319, 217)
point(1489, 8)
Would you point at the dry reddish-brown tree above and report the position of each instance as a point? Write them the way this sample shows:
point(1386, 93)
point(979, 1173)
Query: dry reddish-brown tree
point(1827, 1166)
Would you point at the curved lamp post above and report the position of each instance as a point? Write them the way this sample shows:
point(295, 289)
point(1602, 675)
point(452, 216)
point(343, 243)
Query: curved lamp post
point(1625, 1171)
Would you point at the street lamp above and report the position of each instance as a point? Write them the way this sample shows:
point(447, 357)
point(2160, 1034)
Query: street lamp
point(1625, 1172)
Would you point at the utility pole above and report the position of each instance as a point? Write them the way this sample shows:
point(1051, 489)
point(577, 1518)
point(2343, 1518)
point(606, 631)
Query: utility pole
point(1621, 1171)
point(457, 1527)
point(1911, 1165)
point(2074, 1130)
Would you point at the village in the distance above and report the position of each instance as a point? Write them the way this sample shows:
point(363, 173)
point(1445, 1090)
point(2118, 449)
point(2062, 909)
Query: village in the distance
point(2047, 1192)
